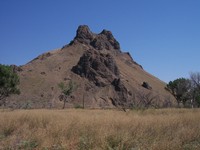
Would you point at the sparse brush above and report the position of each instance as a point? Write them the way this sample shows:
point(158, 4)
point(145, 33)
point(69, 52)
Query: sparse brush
point(100, 129)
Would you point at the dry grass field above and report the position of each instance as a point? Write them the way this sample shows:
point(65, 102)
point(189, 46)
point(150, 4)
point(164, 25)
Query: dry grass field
point(72, 129)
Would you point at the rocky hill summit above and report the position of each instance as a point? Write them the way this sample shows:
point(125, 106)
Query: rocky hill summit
point(105, 77)
point(102, 41)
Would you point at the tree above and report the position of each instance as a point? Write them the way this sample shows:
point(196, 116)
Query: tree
point(66, 91)
point(8, 83)
point(147, 100)
point(195, 89)
point(195, 79)
point(180, 89)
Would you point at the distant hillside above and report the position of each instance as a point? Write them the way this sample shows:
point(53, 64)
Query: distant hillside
point(105, 76)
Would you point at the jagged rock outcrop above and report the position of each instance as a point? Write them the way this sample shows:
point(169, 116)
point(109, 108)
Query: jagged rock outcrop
point(97, 63)
point(102, 41)
point(84, 35)
point(105, 40)
point(101, 69)
point(97, 67)
point(121, 97)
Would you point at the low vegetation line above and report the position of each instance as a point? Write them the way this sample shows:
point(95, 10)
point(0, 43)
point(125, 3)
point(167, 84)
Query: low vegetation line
point(100, 129)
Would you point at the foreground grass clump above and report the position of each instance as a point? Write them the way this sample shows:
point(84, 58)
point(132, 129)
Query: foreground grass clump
point(100, 129)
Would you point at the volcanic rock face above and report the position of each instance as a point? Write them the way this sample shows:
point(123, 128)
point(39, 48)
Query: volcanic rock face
point(121, 97)
point(97, 67)
point(101, 69)
point(103, 41)
point(84, 35)
point(97, 63)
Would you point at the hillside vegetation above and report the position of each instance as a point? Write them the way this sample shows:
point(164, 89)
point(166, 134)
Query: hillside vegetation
point(100, 129)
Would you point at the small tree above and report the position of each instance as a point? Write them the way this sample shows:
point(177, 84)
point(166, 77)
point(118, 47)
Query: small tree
point(180, 89)
point(66, 91)
point(147, 100)
point(8, 83)
point(197, 100)
point(195, 89)
point(195, 79)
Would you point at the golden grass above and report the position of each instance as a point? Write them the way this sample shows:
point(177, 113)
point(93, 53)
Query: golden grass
point(100, 129)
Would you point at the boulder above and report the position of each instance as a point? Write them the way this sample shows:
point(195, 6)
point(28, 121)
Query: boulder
point(146, 85)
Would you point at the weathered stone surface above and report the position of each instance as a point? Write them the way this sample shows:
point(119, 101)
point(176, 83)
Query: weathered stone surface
point(97, 67)
point(102, 41)
point(101, 69)
point(84, 35)
point(121, 96)
point(105, 40)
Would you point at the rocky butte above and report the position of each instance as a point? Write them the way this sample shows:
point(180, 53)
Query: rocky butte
point(105, 76)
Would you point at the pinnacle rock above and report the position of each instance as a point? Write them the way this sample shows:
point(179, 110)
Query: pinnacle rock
point(84, 35)
point(102, 41)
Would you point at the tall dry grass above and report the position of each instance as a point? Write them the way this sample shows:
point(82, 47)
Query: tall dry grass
point(100, 129)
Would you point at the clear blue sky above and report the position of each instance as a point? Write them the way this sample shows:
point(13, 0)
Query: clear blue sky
point(161, 35)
